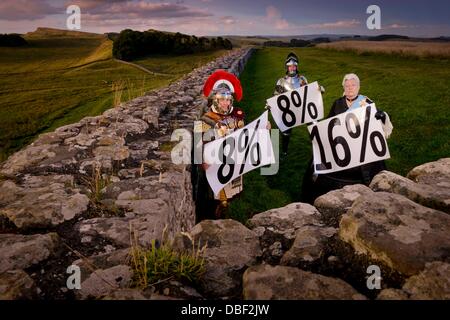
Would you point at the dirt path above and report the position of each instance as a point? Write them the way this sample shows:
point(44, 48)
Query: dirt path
point(142, 68)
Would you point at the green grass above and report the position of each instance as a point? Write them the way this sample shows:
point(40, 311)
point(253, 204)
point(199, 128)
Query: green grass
point(415, 92)
point(177, 66)
point(162, 263)
point(61, 78)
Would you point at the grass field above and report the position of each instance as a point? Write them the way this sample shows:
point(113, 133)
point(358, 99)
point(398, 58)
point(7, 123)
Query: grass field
point(62, 77)
point(414, 91)
point(403, 48)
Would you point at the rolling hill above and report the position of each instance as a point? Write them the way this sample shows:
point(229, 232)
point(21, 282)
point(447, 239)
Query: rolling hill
point(63, 76)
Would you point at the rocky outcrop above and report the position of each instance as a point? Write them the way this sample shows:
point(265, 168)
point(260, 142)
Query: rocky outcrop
point(433, 283)
point(432, 173)
point(277, 228)
point(433, 195)
point(41, 201)
point(100, 283)
point(309, 246)
point(264, 282)
point(334, 204)
point(21, 252)
point(393, 229)
point(15, 285)
point(230, 249)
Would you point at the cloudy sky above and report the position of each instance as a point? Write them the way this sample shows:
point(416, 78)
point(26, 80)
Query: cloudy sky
point(232, 17)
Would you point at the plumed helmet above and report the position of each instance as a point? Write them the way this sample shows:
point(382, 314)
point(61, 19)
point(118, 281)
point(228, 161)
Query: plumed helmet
point(223, 82)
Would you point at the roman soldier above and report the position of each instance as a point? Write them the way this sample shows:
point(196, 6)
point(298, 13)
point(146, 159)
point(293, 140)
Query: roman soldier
point(220, 119)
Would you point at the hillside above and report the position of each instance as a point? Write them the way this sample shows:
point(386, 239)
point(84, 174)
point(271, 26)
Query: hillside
point(62, 76)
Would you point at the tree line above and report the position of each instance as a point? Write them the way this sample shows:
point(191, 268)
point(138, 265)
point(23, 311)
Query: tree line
point(131, 44)
point(295, 42)
point(12, 40)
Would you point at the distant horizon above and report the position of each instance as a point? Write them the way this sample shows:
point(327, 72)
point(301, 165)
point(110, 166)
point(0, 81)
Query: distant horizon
point(412, 18)
point(237, 35)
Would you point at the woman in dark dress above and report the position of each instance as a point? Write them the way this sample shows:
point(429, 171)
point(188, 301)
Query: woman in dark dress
point(315, 185)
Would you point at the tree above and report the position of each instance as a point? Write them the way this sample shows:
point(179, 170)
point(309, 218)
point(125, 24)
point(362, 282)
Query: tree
point(12, 40)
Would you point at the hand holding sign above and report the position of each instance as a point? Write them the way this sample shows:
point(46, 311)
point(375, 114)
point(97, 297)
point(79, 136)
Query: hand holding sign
point(348, 140)
point(297, 107)
point(238, 153)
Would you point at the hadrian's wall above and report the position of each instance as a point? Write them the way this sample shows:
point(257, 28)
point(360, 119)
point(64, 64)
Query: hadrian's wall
point(82, 187)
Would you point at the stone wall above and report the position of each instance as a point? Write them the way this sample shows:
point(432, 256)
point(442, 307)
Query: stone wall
point(83, 187)
point(398, 226)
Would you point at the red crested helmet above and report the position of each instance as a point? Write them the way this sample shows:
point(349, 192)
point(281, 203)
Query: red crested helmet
point(223, 83)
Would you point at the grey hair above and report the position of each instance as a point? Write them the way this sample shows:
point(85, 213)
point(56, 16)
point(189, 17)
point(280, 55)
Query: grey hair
point(350, 76)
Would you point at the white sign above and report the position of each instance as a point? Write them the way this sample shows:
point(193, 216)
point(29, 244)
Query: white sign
point(238, 153)
point(297, 107)
point(348, 140)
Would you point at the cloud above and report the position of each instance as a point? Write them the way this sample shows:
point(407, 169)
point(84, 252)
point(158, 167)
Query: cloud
point(336, 24)
point(144, 15)
point(92, 4)
point(273, 15)
point(399, 26)
point(141, 9)
point(26, 9)
point(228, 20)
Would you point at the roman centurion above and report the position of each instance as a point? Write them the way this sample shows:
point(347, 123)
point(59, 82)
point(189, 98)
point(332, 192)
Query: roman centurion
point(220, 119)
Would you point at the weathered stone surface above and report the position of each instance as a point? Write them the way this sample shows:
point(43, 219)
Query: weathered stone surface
point(134, 189)
point(27, 157)
point(435, 173)
point(433, 283)
point(130, 126)
point(309, 246)
point(264, 282)
point(231, 248)
point(392, 294)
point(277, 228)
point(402, 234)
point(116, 153)
point(126, 294)
point(334, 204)
point(16, 284)
point(117, 230)
point(20, 252)
point(102, 261)
point(9, 191)
point(41, 201)
point(103, 282)
point(427, 195)
point(150, 206)
point(177, 290)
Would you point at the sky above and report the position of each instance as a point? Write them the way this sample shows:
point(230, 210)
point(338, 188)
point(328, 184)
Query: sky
point(418, 18)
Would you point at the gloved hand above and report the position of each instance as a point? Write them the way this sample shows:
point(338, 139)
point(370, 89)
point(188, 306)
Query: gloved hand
point(380, 115)
point(279, 89)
